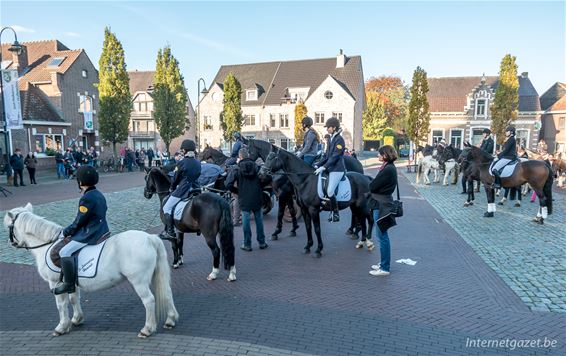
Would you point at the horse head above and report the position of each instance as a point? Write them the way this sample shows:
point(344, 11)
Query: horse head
point(260, 149)
point(156, 182)
point(272, 164)
point(447, 153)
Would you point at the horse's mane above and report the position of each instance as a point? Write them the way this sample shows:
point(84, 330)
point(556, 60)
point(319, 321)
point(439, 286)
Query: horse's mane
point(481, 153)
point(38, 226)
point(160, 172)
point(262, 145)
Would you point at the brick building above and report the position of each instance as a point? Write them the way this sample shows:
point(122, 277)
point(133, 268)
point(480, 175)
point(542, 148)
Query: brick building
point(553, 102)
point(58, 98)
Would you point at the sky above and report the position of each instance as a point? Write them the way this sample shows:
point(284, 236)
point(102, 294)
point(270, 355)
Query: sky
point(448, 38)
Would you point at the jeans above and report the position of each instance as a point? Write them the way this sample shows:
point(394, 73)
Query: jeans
point(384, 245)
point(258, 216)
point(61, 170)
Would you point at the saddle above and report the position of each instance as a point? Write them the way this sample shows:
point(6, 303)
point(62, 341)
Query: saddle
point(507, 170)
point(54, 250)
point(343, 190)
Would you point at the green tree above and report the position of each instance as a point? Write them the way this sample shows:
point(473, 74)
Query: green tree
point(114, 92)
point(231, 119)
point(506, 103)
point(169, 97)
point(418, 118)
point(373, 118)
point(394, 96)
point(300, 113)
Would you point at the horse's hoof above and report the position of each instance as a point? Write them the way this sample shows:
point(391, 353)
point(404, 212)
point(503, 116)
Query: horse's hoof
point(231, 278)
point(370, 245)
point(77, 322)
point(488, 215)
point(292, 234)
point(211, 277)
point(306, 251)
point(466, 204)
point(56, 333)
point(349, 232)
point(517, 205)
point(274, 237)
point(500, 203)
point(142, 335)
point(360, 245)
point(317, 254)
point(168, 326)
point(175, 266)
point(539, 220)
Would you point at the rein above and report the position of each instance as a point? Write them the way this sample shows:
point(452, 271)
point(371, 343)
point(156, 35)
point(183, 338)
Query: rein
point(15, 243)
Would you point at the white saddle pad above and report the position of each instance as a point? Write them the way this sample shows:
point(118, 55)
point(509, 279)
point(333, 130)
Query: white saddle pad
point(87, 261)
point(344, 189)
point(507, 171)
point(179, 210)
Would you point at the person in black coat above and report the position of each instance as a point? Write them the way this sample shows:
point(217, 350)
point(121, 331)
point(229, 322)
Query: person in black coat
point(89, 226)
point(508, 154)
point(17, 163)
point(245, 175)
point(487, 142)
point(382, 188)
point(150, 156)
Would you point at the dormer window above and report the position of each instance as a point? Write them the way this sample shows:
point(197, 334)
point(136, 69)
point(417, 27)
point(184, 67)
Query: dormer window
point(480, 107)
point(56, 62)
point(84, 73)
point(251, 94)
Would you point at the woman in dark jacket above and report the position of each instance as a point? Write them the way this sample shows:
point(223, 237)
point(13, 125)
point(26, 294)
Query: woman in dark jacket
point(31, 162)
point(382, 188)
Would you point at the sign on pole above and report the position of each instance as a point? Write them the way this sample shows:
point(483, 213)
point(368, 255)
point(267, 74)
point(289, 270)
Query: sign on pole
point(88, 120)
point(11, 96)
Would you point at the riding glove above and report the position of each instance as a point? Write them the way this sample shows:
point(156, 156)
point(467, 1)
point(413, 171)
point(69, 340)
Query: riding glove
point(319, 170)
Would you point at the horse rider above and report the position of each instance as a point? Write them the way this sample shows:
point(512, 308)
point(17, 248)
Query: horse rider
point(310, 142)
point(508, 153)
point(89, 226)
point(235, 149)
point(333, 163)
point(187, 173)
point(487, 142)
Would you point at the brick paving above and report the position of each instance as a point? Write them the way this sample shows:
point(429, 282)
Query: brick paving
point(285, 302)
point(529, 258)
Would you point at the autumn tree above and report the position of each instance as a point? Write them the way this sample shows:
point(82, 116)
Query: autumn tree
point(373, 118)
point(231, 118)
point(418, 119)
point(300, 113)
point(505, 106)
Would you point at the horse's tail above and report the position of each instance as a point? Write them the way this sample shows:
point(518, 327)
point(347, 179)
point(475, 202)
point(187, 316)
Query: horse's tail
point(547, 189)
point(226, 231)
point(161, 280)
point(419, 171)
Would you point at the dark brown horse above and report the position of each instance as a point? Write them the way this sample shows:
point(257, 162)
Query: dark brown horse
point(536, 173)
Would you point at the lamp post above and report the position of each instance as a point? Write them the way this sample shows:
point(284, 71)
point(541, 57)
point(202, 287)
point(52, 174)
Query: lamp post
point(16, 47)
point(204, 92)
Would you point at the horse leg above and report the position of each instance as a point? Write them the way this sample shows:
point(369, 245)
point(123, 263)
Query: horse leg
point(78, 316)
point(181, 239)
point(369, 216)
point(280, 212)
point(308, 226)
point(316, 223)
point(446, 174)
point(293, 212)
point(175, 248)
point(365, 236)
point(62, 301)
point(141, 284)
point(470, 191)
point(352, 231)
point(490, 202)
point(211, 242)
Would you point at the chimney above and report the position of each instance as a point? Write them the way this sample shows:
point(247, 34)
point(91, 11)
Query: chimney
point(20, 61)
point(340, 59)
point(525, 74)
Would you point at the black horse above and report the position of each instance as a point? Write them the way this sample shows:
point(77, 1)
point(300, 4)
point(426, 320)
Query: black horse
point(305, 183)
point(208, 213)
point(470, 174)
point(448, 160)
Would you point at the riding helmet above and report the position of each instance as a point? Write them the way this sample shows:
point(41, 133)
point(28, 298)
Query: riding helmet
point(510, 129)
point(87, 176)
point(237, 135)
point(332, 122)
point(307, 121)
point(188, 145)
point(486, 131)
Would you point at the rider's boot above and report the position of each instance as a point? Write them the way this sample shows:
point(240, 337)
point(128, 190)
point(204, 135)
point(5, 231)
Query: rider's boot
point(169, 232)
point(335, 216)
point(69, 269)
point(497, 183)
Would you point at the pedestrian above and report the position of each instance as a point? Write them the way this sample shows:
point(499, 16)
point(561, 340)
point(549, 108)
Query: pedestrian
point(89, 226)
point(150, 156)
point(130, 159)
point(542, 147)
point(94, 157)
point(31, 163)
point(60, 162)
point(245, 175)
point(382, 188)
point(17, 163)
point(142, 159)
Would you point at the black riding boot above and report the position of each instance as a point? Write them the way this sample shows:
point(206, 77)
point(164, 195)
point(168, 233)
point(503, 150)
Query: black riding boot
point(69, 269)
point(169, 232)
point(497, 183)
point(335, 216)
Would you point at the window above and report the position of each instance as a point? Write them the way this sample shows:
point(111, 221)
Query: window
point(437, 135)
point(480, 107)
point(337, 115)
point(142, 103)
point(319, 118)
point(456, 138)
point(562, 123)
point(84, 73)
point(285, 143)
point(477, 136)
point(251, 95)
point(523, 138)
point(56, 62)
point(249, 120)
point(272, 121)
point(54, 142)
point(140, 126)
point(283, 120)
point(85, 104)
point(328, 95)
point(208, 123)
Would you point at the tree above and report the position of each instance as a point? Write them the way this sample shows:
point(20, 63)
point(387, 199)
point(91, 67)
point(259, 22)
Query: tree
point(169, 97)
point(231, 119)
point(418, 119)
point(506, 103)
point(394, 96)
point(114, 92)
point(373, 118)
point(300, 113)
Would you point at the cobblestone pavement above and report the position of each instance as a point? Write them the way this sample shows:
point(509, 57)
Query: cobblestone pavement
point(284, 302)
point(530, 258)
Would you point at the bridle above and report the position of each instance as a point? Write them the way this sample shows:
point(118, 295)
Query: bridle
point(148, 193)
point(14, 241)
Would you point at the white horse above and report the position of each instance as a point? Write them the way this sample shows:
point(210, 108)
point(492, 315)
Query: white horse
point(133, 255)
point(425, 166)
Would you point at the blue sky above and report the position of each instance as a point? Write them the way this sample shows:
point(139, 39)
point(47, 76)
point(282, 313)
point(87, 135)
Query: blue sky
point(393, 38)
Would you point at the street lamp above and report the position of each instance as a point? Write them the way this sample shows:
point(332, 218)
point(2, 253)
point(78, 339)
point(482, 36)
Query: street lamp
point(17, 48)
point(204, 92)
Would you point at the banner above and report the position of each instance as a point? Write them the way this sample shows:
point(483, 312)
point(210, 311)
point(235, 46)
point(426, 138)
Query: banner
point(11, 96)
point(88, 120)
